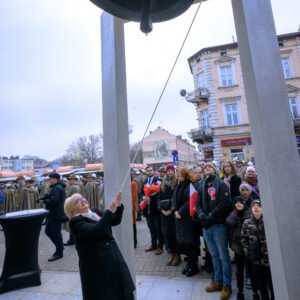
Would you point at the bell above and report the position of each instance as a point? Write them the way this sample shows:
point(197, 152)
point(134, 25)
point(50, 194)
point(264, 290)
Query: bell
point(144, 11)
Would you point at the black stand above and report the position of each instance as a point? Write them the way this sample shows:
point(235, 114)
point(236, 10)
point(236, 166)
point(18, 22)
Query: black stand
point(21, 231)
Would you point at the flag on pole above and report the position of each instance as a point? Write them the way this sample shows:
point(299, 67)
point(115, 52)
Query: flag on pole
point(193, 199)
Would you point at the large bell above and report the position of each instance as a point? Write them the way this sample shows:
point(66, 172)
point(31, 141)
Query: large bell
point(144, 11)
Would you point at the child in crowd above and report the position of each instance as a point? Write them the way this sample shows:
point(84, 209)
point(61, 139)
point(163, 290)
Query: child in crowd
point(253, 239)
point(246, 191)
point(235, 221)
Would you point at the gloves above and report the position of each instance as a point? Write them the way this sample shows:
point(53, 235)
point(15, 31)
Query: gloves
point(202, 216)
point(207, 221)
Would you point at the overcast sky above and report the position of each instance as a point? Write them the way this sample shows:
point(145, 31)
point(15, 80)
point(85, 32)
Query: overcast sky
point(50, 71)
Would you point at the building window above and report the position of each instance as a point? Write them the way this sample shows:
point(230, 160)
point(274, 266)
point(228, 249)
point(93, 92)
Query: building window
point(287, 67)
point(226, 77)
point(294, 107)
point(200, 80)
point(231, 114)
point(237, 154)
point(205, 118)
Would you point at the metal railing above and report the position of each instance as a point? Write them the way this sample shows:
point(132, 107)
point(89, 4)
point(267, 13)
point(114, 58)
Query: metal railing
point(197, 95)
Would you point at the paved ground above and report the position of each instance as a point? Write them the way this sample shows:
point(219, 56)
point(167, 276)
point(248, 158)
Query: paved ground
point(60, 279)
point(146, 263)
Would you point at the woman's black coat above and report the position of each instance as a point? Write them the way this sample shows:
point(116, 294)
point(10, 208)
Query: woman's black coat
point(235, 183)
point(103, 270)
point(187, 230)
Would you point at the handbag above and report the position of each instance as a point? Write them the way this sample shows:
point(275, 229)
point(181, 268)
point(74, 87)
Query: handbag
point(165, 204)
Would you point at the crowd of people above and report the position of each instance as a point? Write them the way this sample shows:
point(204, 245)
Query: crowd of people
point(227, 214)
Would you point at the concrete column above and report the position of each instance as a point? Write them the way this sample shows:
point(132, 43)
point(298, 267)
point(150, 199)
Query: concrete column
point(274, 139)
point(115, 128)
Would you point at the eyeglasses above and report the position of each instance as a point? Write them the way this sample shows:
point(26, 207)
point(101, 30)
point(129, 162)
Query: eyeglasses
point(80, 200)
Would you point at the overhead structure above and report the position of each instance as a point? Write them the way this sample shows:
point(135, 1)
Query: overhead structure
point(145, 11)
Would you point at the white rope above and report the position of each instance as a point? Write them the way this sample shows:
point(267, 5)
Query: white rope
point(161, 94)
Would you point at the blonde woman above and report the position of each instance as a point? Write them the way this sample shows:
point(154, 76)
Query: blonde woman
point(103, 271)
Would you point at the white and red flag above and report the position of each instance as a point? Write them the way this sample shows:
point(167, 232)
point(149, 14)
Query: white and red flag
point(193, 199)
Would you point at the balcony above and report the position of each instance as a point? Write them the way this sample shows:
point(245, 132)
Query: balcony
point(201, 135)
point(296, 123)
point(197, 96)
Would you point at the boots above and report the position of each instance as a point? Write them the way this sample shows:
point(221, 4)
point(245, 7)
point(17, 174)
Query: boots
point(185, 269)
point(193, 270)
point(176, 260)
point(256, 296)
point(214, 287)
point(170, 261)
point(225, 293)
point(240, 296)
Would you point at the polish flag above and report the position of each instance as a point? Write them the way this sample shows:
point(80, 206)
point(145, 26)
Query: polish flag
point(193, 199)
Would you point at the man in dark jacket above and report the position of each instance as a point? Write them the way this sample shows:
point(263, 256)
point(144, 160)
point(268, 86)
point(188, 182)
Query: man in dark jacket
point(151, 211)
point(213, 205)
point(54, 202)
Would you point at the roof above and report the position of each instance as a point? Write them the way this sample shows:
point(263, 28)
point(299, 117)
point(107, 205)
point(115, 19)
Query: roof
point(286, 36)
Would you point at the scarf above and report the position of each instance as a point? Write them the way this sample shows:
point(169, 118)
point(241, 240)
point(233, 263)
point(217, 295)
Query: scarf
point(252, 181)
point(227, 180)
point(90, 215)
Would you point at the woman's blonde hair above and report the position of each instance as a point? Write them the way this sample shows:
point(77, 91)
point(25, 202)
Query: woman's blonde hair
point(69, 205)
point(232, 165)
point(187, 174)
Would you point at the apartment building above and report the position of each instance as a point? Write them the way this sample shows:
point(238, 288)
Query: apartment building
point(16, 165)
point(161, 147)
point(223, 130)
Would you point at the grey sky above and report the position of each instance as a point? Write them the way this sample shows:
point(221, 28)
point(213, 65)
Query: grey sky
point(50, 72)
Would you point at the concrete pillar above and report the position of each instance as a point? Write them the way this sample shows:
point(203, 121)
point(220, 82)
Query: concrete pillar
point(274, 140)
point(115, 128)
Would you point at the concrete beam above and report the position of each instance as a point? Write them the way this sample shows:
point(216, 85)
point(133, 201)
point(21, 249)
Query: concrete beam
point(274, 140)
point(115, 128)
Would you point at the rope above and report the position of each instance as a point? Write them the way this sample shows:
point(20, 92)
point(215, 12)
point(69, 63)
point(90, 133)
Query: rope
point(162, 93)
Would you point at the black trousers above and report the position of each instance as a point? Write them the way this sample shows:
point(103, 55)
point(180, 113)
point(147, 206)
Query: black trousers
point(53, 231)
point(169, 233)
point(264, 281)
point(241, 261)
point(134, 236)
point(154, 225)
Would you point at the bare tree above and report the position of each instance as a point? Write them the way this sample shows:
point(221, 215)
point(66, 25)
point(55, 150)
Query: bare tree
point(85, 150)
point(136, 153)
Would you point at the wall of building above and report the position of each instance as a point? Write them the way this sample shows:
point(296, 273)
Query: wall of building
point(159, 145)
point(205, 66)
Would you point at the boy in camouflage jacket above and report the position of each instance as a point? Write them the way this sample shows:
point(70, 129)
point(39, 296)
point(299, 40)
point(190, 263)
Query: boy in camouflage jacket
point(254, 243)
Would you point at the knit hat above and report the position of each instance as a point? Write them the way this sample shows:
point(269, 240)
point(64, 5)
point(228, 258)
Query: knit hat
point(250, 168)
point(256, 201)
point(212, 165)
point(162, 169)
point(54, 175)
point(245, 185)
point(170, 167)
point(91, 176)
point(238, 199)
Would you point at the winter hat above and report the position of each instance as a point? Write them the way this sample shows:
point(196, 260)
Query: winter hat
point(54, 175)
point(245, 185)
point(238, 199)
point(212, 165)
point(170, 167)
point(91, 176)
point(256, 201)
point(162, 169)
point(250, 168)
